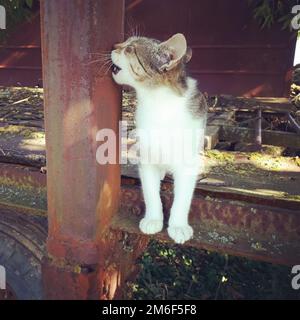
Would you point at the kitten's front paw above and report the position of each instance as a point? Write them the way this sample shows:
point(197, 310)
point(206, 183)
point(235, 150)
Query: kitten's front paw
point(180, 234)
point(151, 226)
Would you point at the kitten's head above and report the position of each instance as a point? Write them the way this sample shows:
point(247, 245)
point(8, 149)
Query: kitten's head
point(141, 61)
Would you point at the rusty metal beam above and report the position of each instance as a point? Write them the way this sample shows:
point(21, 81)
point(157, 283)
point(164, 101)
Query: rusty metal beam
point(239, 228)
point(254, 227)
point(82, 195)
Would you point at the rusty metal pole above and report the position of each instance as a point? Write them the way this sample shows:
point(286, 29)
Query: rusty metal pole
point(79, 101)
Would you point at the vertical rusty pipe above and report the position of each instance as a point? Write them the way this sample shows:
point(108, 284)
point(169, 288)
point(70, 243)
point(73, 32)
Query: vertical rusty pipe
point(79, 101)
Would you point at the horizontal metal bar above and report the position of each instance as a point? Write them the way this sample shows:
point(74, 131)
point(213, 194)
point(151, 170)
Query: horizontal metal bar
point(242, 228)
point(237, 72)
point(20, 67)
point(22, 47)
point(237, 46)
point(254, 231)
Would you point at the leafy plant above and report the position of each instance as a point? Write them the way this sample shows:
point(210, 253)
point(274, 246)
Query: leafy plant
point(269, 12)
point(170, 271)
point(16, 12)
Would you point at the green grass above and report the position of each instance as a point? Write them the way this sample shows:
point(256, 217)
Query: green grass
point(178, 272)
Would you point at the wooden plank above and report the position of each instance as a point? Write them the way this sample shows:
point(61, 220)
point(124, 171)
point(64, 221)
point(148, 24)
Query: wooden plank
point(214, 121)
point(218, 119)
point(275, 138)
point(211, 137)
point(281, 105)
point(24, 146)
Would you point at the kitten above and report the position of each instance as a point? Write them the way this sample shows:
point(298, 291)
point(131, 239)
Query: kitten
point(169, 105)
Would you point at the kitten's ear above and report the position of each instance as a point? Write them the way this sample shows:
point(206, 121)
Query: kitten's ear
point(188, 55)
point(178, 47)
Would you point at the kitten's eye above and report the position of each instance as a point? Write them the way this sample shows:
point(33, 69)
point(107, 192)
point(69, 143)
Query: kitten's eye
point(129, 49)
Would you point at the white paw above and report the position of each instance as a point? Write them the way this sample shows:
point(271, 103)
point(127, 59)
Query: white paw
point(151, 226)
point(180, 234)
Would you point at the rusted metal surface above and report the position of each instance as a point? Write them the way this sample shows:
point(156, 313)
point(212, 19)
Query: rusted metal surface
point(82, 195)
point(234, 185)
point(78, 103)
point(32, 179)
point(22, 176)
point(103, 280)
point(225, 222)
point(235, 227)
point(24, 188)
point(260, 228)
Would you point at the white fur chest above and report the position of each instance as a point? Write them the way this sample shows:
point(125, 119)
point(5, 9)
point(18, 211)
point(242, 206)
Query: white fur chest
point(166, 127)
point(162, 109)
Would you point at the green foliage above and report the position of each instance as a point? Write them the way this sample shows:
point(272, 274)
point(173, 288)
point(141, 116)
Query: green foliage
point(178, 272)
point(269, 12)
point(16, 12)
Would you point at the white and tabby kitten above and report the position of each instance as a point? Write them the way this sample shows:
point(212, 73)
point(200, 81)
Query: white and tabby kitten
point(170, 108)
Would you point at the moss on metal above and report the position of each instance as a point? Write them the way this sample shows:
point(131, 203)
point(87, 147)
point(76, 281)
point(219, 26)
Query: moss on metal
point(22, 193)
